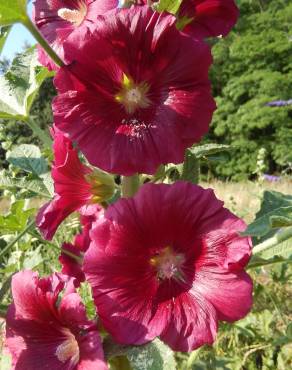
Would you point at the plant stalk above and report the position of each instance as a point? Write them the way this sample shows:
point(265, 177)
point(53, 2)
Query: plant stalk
point(130, 185)
point(41, 134)
point(3, 311)
point(37, 35)
point(68, 253)
point(19, 236)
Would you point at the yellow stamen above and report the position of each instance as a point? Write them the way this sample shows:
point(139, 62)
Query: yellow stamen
point(133, 96)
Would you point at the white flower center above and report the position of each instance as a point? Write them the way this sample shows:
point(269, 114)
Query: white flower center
point(168, 264)
point(68, 350)
point(133, 96)
point(74, 16)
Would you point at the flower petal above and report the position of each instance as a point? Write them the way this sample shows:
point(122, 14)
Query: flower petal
point(229, 292)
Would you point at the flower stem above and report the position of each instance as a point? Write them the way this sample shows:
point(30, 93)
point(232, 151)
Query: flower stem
point(130, 185)
point(3, 310)
point(59, 249)
point(41, 134)
point(36, 34)
point(281, 236)
point(19, 236)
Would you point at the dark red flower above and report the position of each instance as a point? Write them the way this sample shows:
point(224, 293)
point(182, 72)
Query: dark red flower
point(57, 19)
point(73, 266)
point(208, 18)
point(76, 185)
point(143, 93)
point(45, 331)
point(170, 263)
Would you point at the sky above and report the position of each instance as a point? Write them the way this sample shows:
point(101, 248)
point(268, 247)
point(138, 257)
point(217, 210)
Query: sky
point(17, 38)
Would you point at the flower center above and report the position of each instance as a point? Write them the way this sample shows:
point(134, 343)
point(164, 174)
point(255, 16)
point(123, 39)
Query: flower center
point(168, 264)
point(133, 96)
point(68, 350)
point(74, 16)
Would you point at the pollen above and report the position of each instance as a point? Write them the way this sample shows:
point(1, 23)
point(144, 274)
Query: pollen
point(133, 96)
point(68, 350)
point(74, 16)
point(168, 264)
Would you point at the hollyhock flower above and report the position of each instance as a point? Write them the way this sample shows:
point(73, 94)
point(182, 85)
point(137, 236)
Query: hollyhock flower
point(169, 262)
point(45, 331)
point(207, 18)
point(73, 266)
point(140, 99)
point(57, 19)
point(76, 186)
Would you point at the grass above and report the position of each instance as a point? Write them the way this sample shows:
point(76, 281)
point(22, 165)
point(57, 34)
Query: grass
point(244, 198)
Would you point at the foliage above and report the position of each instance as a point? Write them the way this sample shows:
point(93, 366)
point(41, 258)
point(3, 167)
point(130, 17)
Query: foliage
point(251, 68)
point(4, 32)
point(12, 11)
point(20, 84)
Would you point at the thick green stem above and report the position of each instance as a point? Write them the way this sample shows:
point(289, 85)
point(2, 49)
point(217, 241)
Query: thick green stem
point(281, 236)
point(68, 253)
point(3, 311)
point(19, 236)
point(36, 34)
point(130, 185)
point(41, 134)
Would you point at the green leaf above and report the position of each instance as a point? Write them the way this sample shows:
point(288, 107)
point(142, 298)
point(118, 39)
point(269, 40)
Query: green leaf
point(13, 184)
point(170, 6)
point(283, 249)
point(12, 11)
point(48, 182)
point(281, 221)
point(28, 157)
point(273, 200)
point(272, 215)
point(16, 219)
point(191, 168)
point(33, 258)
point(4, 32)
point(20, 84)
point(152, 356)
point(262, 225)
point(212, 152)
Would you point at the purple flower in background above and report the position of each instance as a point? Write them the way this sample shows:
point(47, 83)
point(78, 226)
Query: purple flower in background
point(279, 103)
point(271, 178)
